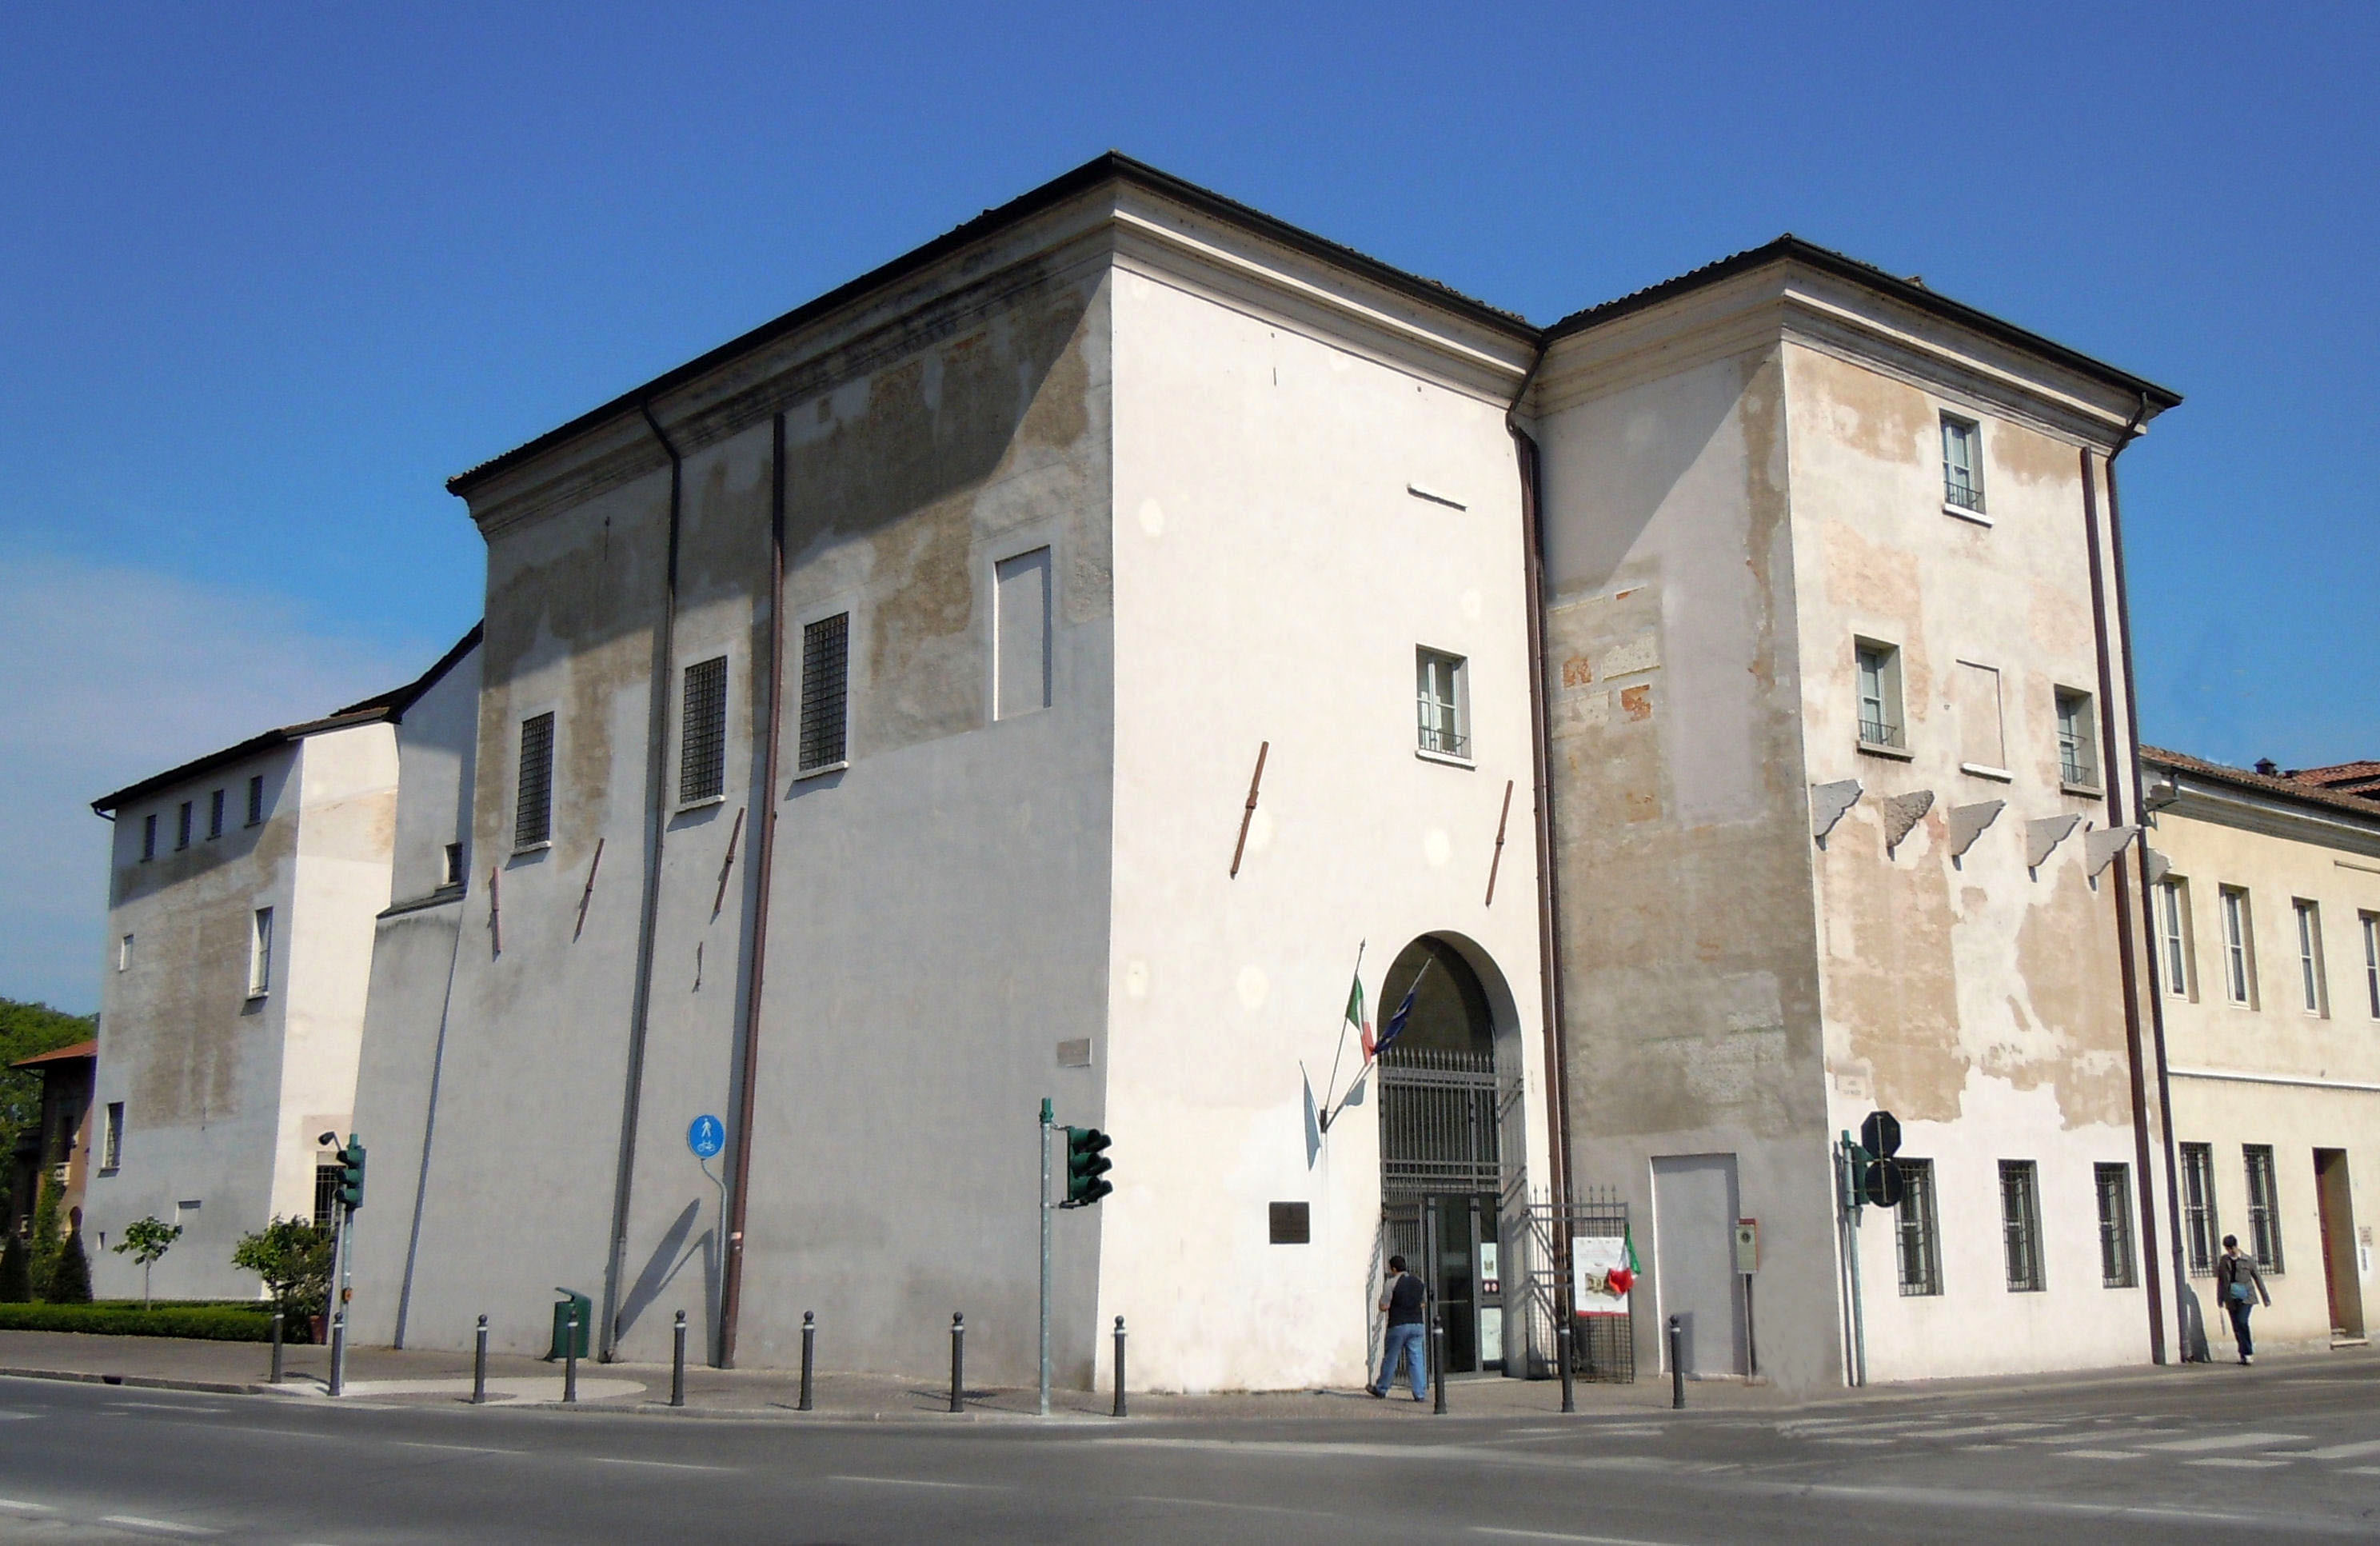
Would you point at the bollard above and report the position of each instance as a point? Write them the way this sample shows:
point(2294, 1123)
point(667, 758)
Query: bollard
point(570, 1357)
point(276, 1347)
point(677, 1361)
point(1677, 1368)
point(1119, 1378)
point(809, 1348)
point(1563, 1344)
point(338, 1351)
point(958, 1362)
point(1438, 1364)
point(479, 1365)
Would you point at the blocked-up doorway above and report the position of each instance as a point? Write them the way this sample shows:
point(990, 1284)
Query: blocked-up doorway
point(1694, 1254)
point(2339, 1258)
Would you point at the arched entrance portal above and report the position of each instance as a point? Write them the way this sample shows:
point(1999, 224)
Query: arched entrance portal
point(1451, 1142)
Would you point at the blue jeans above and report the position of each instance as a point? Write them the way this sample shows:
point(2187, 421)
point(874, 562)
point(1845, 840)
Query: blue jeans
point(1407, 1340)
point(2241, 1310)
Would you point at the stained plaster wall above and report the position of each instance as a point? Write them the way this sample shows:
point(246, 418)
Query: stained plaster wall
point(223, 1093)
point(1691, 994)
point(1275, 572)
point(2227, 1061)
point(1978, 1002)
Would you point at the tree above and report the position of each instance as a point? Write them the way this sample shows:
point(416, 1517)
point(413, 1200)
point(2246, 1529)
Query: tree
point(293, 1257)
point(70, 1279)
point(27, 1030)
point(48, 1238)
point(16, 1272)
point(147, 1240)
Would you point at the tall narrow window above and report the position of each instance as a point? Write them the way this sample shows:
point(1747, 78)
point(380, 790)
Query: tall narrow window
point(702, 732)
point(182, 827)
point(2173, 935)
point(2239, 935)
point(2199, 1226)
point(1879, 694)
point(111, 1153)
point(2311, 986)
point(1021, 635)
point(1962, 463)
point(2020, 1225)
point(2077, 729)
point(2370, 922)
point(260, 955)
point(256, 799)
point(1921, 1251)
point(215, 814)
point(327, 1176)
point(2264, 1206)
point(1444, 714)
point(533, 801)
point(2115, 1266)
point(1977, 691)
point(453, 864)
point(124, 953)
point(826, 683)
point(148, 838)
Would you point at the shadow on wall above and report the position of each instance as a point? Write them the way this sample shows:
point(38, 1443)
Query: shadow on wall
point(669, 1258)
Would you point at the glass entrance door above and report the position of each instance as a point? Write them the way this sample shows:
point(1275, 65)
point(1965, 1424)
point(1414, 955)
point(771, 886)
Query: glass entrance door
point(1466, 1280)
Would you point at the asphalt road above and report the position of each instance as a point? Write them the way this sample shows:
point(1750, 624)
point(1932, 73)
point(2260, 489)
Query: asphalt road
point(2219, 1453)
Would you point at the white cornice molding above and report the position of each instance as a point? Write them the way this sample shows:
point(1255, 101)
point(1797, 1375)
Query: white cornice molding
point(1789, 301)
point(2220, 805)
point(2300, 1080)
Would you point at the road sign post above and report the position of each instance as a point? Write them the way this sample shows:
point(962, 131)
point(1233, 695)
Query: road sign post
point(1043, 1194)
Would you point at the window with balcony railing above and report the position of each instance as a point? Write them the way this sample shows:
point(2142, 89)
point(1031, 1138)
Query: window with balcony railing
point(1962, 463)
point(1442, 704)
point(1879, 696)
point(2075, 733)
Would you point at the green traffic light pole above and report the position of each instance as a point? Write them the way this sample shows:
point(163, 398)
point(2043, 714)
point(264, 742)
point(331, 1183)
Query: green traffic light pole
point(1850, 1157)
point(1045, 1256)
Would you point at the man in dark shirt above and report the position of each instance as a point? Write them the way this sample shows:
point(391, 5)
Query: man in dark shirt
point(1403, 1299)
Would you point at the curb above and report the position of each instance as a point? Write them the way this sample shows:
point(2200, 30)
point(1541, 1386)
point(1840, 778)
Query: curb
point(139, 1381)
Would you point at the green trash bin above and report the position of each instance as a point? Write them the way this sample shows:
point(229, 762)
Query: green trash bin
point(562, 1309)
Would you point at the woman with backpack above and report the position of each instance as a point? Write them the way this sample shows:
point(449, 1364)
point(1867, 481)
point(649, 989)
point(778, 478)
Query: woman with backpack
point(2240, 1285)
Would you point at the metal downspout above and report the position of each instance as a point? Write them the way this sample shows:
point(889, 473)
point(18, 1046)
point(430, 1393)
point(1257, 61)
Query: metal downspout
point(2140, 862)
point(731, 1296)
point(2109, 756)
point(648, 918)
point(1549, 974)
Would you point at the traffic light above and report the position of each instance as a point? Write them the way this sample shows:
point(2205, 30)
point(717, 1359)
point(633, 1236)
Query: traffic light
point(1870, 1173)
point(1087, 1167)
point(351, 1172)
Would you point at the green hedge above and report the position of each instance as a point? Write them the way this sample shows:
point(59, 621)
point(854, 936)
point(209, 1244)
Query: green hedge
point(212, 1322)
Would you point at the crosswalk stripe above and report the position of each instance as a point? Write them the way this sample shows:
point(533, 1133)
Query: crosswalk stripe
point(2229, 1441)
point(2343, 1452)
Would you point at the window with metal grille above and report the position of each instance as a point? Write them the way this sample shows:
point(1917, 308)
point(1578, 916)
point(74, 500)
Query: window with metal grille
point(1444, 712)
point(326, 1195)
point(111, 1153)
point(1920, 1248)
point(2173, 938)
point(533, 810)
point(147, 837)
point(2115, 1266)
point(2263, 1207)
point(702, 738)
point(1962, 463)
point(2316, 992)
point(2075, 733)
point(2199, 1225)
point(1879, 694)
point(214, 814)
point(826, 683)
point(2020, 1225)
point(256, 799)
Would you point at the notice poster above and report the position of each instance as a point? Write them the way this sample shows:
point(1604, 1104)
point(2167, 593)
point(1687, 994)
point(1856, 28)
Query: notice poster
point(1595, 1261)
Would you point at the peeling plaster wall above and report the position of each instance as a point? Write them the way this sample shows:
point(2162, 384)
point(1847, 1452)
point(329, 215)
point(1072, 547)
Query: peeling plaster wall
point(2230, 1060)
point(223, 1092)
point(1691, 994)
point(1978, 1002)
point(1274, 575)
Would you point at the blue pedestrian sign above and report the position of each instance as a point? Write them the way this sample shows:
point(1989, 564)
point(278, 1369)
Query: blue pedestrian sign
point(707, 1137)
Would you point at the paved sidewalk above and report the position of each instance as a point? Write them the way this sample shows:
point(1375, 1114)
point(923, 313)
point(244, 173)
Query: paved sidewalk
point(383, 1375)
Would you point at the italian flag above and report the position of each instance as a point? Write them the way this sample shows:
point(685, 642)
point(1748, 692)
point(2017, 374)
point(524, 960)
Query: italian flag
point(1355, 1015)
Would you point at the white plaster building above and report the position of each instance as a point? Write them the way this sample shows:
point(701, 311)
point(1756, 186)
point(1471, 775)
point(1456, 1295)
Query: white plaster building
point(997, 678)
point(2265, 923)
point(241, 895)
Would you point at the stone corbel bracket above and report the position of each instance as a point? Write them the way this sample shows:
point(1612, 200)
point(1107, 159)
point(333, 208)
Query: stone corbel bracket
point(2159, 866)
point(1968, 822)
point(2100, 849)
point(2043, 836)
point(1901, 813)
point(1828, 803)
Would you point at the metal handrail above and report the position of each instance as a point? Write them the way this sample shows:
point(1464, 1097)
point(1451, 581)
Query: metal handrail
point(1966, 496)
point(1876, 732)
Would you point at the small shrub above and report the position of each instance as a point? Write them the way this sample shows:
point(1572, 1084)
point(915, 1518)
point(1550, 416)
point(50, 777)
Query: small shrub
point(70, 1279)
point(214, 1324)
point(293, 1257)
point(16, 1272)
point(148, 1240)
point(48, 1239)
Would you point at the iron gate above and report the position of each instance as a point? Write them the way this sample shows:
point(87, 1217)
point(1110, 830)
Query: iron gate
point(1603, 1348)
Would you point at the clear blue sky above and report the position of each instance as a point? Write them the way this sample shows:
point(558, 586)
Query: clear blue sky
point(268, 275)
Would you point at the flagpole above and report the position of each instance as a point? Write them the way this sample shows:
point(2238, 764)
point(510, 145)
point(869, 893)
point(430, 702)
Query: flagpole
point(1381, 1047)
point(1340, 1049)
